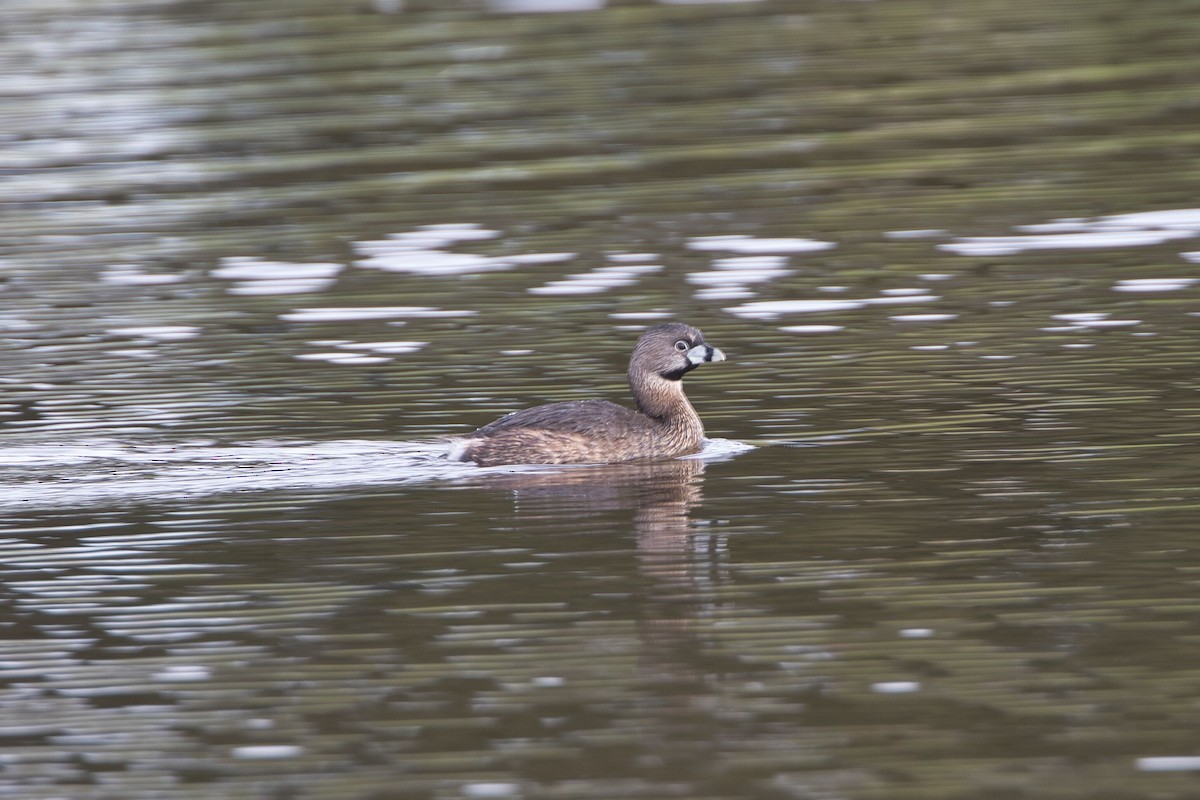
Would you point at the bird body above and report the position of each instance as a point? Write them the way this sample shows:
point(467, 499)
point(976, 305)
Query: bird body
point(664, 425)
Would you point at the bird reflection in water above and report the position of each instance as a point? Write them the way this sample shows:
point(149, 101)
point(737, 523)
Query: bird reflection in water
point(679, 560)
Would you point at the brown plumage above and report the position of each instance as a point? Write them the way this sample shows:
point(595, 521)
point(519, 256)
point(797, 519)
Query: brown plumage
point(597, 431)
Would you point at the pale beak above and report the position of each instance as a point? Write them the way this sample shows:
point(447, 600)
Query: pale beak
point(702, 352)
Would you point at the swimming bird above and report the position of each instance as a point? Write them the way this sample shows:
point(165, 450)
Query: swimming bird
point(596, 431)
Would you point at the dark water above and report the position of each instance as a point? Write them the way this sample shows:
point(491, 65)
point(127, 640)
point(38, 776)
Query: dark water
point(258, 257)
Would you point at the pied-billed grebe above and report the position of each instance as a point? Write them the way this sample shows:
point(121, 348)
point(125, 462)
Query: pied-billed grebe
point(597, 431)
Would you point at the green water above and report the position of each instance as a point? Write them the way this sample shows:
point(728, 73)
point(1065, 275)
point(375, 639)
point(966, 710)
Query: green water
point(256, 258)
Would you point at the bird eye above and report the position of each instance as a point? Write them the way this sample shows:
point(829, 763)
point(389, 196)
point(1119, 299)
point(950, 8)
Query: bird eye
point(682, 346)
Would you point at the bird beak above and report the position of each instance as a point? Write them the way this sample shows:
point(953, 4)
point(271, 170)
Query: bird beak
point(702, 352)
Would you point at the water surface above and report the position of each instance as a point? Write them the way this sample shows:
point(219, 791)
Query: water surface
point(260, 260)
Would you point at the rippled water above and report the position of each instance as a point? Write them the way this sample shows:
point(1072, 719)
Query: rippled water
point(259, 260)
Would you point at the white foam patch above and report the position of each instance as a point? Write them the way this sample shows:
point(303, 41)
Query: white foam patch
point(921, 233)
point(1013, 245)
point(133, 275)
point(267, 751)
point(544, 6)
point(432, 262)
point(751, 245)
point(133, 353)
point(8, 323)
point(568, 288)
point(422, 252)
point(916, 633)
point(598, 280)
point(384, 347)
point(495, 789)
point(720, 449)
point(82, 473)
point(630, 269)
point(812, 328)
point(358, 351)
point(343, 358)
point(1090, 320)
point(896, 687)
point(750, 263)
point(450, 232)
point(1081, 316)
point(1140, 229)
point(731, 278)
point(1154, 284)
point(1168, 764)
point(182, 673)
point(640, 314)
point(256, 276)
point(368, 313)
point(254, 269)
point(1179, 218)
point(1114, 323)
point(162, 333)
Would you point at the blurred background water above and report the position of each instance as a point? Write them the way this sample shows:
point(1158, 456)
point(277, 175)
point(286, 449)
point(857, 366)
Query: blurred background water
point(256, 258)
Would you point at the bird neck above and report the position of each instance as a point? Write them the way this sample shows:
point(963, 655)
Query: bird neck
point(663, 400)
